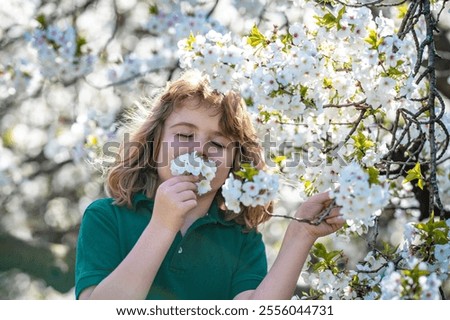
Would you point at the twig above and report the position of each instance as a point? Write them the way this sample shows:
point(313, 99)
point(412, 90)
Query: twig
point(316, 220)
point(349, 135)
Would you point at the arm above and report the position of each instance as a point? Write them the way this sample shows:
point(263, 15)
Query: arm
point(133, 277)
point(282, 278)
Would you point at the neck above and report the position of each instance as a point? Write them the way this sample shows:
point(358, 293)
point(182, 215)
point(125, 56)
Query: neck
point(203, 205)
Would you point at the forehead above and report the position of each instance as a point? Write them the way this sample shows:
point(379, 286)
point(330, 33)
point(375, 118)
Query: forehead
point(200, 115)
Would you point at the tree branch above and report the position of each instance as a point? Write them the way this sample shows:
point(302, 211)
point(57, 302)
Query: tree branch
point(53, 263)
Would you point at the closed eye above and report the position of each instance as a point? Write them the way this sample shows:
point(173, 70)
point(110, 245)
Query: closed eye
point(184, 136)
point(217, 144)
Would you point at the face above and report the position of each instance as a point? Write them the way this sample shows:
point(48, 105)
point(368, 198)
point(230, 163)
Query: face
point(195, 128)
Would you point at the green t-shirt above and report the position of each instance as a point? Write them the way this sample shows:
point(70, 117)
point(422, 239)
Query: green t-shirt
point(215, 259)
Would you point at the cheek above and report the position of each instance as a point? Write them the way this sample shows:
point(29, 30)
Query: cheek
point(228, 158)
point(225, 167)
point(221, 175)
point(164, 154)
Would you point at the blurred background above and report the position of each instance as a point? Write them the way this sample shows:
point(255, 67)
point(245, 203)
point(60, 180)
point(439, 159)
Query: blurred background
point(56, 112)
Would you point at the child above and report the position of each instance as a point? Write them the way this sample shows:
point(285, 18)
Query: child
point(156, 238)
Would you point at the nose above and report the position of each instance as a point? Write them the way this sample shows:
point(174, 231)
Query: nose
point(199, 146)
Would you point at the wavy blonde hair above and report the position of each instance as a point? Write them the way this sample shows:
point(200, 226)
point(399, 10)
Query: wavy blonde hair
point(135, 171)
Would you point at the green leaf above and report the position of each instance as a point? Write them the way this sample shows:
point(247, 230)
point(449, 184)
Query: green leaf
point(402, 10)
point(247, 171)
point(267, 115)
point(153, 9)
point(190, 42)
point(361, 141)
point(328, 21)
point(441, 224)
point(310, 189)
point(373, 39)
point(287, 39)
point(422, 226)
point(249, 101)
point(361, 144)
point(279, 159)
point(7, 138)
point(80, 43)
point(327, 83)
point(374, 174)
point(320, 266)
point(340, 13)
point(331, 255)
point(415, 174)
point(256, 38)
point(42, 21)
point(440, 236)
point(319, 250)
point(303, 91)
point(389, 250)
point(394, 72)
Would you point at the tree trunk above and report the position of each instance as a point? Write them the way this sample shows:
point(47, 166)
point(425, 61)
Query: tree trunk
point(53, 263)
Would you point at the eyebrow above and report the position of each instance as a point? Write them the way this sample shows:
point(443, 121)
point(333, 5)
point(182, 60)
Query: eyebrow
point(193, 126)
point(186, 124)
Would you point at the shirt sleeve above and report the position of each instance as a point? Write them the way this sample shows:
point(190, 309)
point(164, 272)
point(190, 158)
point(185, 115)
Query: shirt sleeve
point(252, 265)
point(98, 248)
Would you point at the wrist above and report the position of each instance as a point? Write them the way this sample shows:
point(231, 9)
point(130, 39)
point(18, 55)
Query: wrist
point(301, 232)
point(163, 225)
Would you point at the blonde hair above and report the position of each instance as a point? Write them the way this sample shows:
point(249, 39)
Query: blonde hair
point(135, 171)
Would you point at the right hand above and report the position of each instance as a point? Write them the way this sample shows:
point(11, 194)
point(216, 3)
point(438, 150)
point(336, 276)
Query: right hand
point(174, 198)
point(310, 209)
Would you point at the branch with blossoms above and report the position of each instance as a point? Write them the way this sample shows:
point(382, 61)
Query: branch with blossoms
point(433, 100)
point(296, 82)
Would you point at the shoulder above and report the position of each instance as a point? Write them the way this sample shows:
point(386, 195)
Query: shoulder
point(108, 205)
point(100, 207)
point(106, 209)
point(99, 212)
point(252, 236)
point(100, 204)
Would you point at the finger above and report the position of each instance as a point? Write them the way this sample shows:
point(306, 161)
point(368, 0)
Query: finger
point(336, 221)
point(184, 185)
point(190, 204)
point(336, 211)
point(321, 197)
point(186, 195)
point(182, 178)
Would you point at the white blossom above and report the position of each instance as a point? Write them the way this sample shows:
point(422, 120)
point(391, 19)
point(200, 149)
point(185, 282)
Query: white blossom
point(193, 163)
point(258, 191)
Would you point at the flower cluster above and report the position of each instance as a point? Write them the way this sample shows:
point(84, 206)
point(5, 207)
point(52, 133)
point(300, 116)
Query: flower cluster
point(353, 57)
point(251, 188)
point(60, 53)
point(360, 201)
point(192, 163)
point(20, 78)
point(417, 273)
point(175, 24)
point(417, 283)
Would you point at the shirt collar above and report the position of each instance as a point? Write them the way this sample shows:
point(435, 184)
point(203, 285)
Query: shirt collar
point(140, 197)
point(214, 213)
point(217, 215)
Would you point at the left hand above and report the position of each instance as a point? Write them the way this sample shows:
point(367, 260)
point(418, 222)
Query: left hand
point(311, 208)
